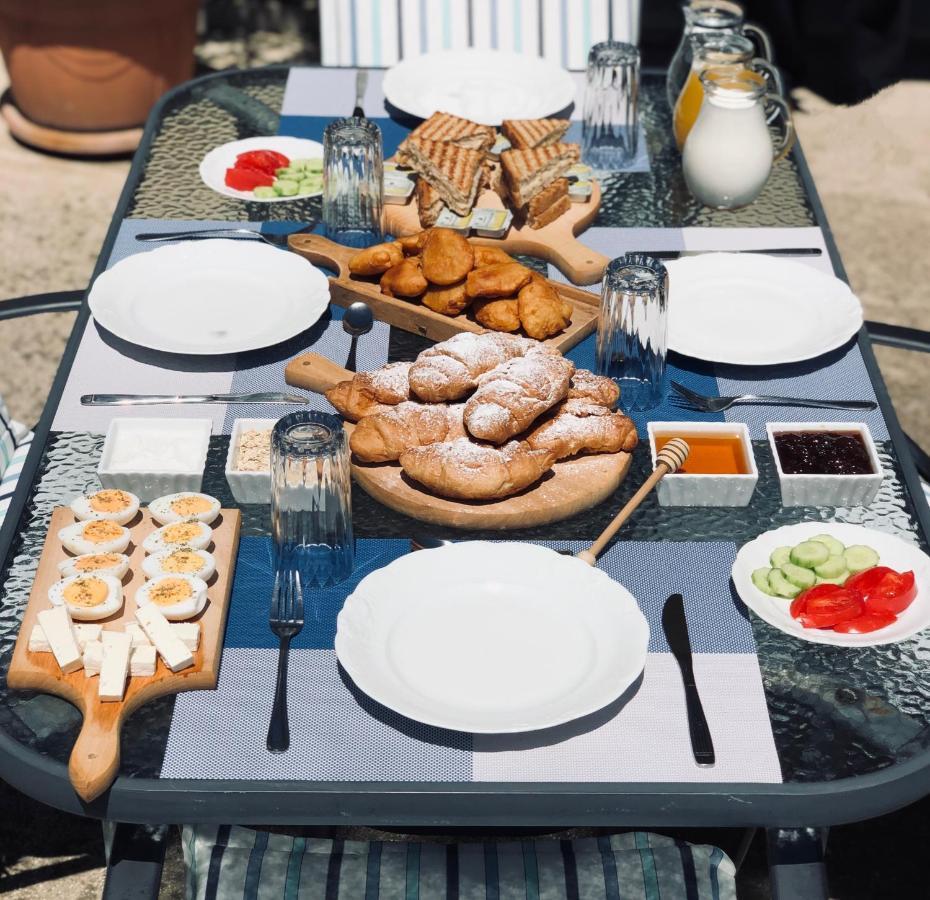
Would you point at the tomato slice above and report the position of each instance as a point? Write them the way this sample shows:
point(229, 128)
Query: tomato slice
point(263, 160)
point(246, 179)
point(884, 589)
point(799, 604)
point(869, 621)
point(824, 610)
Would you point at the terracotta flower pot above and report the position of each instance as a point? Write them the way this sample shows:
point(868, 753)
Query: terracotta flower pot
point(95, 65)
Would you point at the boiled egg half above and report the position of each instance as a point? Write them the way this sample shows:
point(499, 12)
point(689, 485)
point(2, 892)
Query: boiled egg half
point(185, 561)
point(95, 536)
point(177, 597)
point(111, 505)
point(115, 564)
point(88, 597)
point(192, 535)
point(184, 508)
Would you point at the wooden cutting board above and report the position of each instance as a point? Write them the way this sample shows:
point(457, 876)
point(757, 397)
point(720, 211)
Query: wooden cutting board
point(95, 757)
point(556, 242)
point(411, 315)
point(571, 486)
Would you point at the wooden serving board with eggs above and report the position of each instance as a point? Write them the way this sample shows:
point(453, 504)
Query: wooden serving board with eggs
point(105, 701)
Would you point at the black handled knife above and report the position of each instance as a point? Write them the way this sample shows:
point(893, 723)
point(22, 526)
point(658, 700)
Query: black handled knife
point(675, 627)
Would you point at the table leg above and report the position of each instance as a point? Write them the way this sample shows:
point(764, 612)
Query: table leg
point(796, 866)
point(135, 856)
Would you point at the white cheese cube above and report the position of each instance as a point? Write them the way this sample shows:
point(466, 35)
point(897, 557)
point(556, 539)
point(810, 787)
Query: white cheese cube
point(93, 658)
point(115, 666)
point(86, 631)
point(38, 642)
point(56, 624)
point(189, 632)
point(137, 635)
point(158, 630)
point(142, 660)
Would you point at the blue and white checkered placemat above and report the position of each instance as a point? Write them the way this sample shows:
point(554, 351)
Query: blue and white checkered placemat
point(338, 733)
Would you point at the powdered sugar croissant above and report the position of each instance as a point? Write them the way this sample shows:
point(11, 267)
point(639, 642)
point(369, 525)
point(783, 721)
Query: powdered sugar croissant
point(384, 436)
point(578, 426)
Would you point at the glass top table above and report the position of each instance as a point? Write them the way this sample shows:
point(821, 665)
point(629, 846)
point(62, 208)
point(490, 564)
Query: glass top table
point(851, 727)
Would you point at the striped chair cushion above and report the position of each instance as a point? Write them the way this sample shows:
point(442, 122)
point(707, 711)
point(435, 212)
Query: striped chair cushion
point(14, 445)
point(377, 33)
point(231, 862)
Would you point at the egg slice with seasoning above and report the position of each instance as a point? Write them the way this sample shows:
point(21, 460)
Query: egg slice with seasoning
point(88, 597)
point(184, 508)
point(178, 535)
point(184, 561)
point(111, 505)
point(177, 597)
point(115, 564)
point(95, 536)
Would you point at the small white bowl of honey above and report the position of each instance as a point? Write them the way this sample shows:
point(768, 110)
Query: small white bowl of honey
point(720, 469)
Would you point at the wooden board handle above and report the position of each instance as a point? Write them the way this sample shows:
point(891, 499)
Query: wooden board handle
point(315, 373)
point(322, 251)
point(95, 757)
point(569, 255)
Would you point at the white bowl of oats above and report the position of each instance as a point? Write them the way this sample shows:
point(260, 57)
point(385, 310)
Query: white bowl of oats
point(248, 463)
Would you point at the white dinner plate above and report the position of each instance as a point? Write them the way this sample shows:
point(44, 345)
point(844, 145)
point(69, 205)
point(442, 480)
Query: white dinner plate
point(751, 309)
point(491, 638)
point(892, 552)
point(209, 297)
point(214, 165)
point(486, 86)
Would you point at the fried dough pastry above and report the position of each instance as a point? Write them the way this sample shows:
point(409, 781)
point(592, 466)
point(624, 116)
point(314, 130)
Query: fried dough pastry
point(449, 301)
point(376, 260)
point(497, 280)
point(577, 426)
point(384, 436)
point(368, 392)
point(447, 257)
point(543, 312)
point(412, 244)
point(498, 315)
point(464, 470)
point(594, 388)
point(405, 279)
point(512, 396)
point(489, 256)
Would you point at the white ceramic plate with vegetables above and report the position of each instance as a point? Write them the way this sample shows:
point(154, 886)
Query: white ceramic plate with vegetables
point(776, 568)
point(301, 177)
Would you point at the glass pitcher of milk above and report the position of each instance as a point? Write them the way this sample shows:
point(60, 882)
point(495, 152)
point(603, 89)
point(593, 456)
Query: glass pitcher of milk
point(728, 154)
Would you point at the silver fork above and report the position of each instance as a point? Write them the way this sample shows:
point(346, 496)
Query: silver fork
point(719, 404)
point(287, 620)
point(238, 234)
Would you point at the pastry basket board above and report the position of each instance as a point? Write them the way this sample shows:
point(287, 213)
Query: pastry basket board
point(95, 757)
point(556, 242)
point(573, 485)
point(411, 315)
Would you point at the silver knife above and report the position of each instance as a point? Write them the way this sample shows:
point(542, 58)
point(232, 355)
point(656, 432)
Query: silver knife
point(156, 399)
point(675, 627)
point(771, 251)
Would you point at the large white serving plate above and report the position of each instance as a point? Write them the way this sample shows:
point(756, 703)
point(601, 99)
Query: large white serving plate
point(214, 165)
point(486, 86)
point(752, 309)
point(892, 552)
point(491, 637)
point(209, 297)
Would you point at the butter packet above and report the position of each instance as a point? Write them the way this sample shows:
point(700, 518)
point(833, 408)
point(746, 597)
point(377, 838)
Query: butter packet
point(491, 223)
point(397, 187)
point(580, 172)
point(500, 145)
point(580, 191)
point(448, 219)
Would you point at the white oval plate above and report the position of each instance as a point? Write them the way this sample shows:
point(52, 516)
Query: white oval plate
point(486, 86)
point(751, 309)
point(209, 297)
point(892, 552)
point(491, 638)
point(214, 165)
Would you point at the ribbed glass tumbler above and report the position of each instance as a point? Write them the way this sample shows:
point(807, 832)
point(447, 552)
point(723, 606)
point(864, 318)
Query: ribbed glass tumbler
point(610, 133)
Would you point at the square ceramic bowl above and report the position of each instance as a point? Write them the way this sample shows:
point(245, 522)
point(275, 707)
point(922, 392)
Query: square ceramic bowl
point(827, 490)
point(704, 490)
point(247, 487)
point(153, 457)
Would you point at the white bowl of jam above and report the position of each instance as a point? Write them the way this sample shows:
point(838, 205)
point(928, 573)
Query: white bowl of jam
point(828, 464)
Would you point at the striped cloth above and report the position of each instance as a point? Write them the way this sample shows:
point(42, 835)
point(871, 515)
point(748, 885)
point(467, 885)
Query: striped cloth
point(376, 33)
point(15, 440)
point(231, 862)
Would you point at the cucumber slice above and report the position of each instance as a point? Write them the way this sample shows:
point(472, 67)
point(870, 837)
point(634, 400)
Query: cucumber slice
point(263, 192)
point(282, 171)
point(840, 580)
point(311, 187)
point(285, 188)
point(834, 567)
point(760, 578)
point(835, 547)
point(781, 587)
point(809, 554)
point(803, 578)
point(309, 164)
point(780, 555)
point(859, 558)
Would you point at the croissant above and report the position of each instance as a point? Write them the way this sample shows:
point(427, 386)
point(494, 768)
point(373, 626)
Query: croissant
point(577, 426)
point(512, 396)
point(464, 470)
point(594, 388)
point(366, 392)
point(384, 436)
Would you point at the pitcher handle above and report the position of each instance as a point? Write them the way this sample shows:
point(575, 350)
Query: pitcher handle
point(773, 76)
point(787, 141)
point(763, 41)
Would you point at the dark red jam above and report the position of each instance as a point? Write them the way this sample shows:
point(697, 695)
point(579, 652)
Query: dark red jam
point(822, 453)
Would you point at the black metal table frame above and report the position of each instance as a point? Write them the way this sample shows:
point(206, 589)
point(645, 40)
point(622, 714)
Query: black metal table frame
point(454, 805)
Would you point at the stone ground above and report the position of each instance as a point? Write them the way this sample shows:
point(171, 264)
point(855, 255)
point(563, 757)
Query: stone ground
point(873, 173)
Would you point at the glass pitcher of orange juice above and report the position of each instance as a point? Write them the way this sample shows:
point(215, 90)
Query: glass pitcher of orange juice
point(718, 50)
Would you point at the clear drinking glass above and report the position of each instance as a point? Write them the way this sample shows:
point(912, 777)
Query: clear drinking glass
point(632, 331)
point(353, 181)
point(611, 126)
point(311, 498)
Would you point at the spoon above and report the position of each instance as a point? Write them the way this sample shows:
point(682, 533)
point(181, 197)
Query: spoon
point(356, 320)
